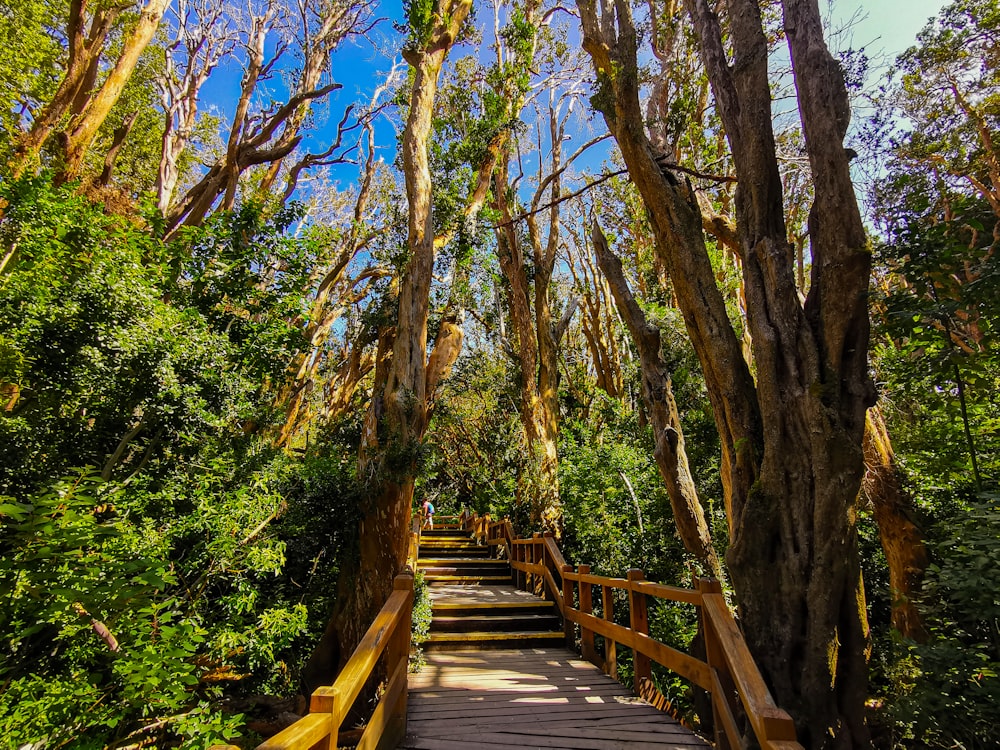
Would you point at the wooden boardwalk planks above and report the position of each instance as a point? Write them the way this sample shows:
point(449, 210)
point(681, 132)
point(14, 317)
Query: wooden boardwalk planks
point(531, 698)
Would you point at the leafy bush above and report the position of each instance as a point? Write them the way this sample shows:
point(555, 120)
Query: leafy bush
point(948, 689)
point(191, 563)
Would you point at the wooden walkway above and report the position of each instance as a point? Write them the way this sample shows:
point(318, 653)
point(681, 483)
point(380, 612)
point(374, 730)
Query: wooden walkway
point(530, 698)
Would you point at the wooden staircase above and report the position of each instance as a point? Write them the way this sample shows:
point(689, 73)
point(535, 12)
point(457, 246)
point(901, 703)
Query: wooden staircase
point(474, 603)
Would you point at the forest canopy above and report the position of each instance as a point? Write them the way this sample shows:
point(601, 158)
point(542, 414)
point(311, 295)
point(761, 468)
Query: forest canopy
point(689, 284)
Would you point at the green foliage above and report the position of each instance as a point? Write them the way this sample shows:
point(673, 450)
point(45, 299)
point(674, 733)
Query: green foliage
point(419, 22)
point(936, 290)
point(476, 439)
point(949, 89)
point(940, 326)
point(30, 65)
point(945, 692)
point(421, 621)
point(602, 518)
point(205, 565)
point(63, 571)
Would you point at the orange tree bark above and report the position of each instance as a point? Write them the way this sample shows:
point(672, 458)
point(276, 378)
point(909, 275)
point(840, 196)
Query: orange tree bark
point(658, 393)
point(791, 441)
point(85, 43)
point(902, 539)
point(536, 333)
point(401, 412)
point(76, 140)
point(536, 348)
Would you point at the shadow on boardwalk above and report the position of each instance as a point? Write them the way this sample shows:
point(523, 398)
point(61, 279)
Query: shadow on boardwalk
point(530, 698)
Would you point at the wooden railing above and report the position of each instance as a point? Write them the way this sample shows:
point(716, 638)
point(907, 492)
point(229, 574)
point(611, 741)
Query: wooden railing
point(389, 634)
point(729, 673)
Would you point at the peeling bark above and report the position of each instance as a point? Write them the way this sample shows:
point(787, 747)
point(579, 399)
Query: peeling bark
point(900, 535)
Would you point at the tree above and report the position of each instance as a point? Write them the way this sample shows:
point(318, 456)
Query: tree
point(265, 137)
point(203, 36)
point(949, 89)
point(938, 207)
point(78, 95)
point(384, 528)
point(29, 71)
point(657, 391)
point(536, 333)
point(791, 438)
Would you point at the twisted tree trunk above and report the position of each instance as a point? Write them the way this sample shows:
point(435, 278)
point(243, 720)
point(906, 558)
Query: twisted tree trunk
point(791, 441)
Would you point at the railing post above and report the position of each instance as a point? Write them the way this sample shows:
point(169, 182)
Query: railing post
point(567, 594)
point(610, 647)
point(545, 560)
point(716, 660)
point(519, 552)
point(587, 649)
point(398, 653)
point(324, 700)
point(537, 581)
point(639, 622)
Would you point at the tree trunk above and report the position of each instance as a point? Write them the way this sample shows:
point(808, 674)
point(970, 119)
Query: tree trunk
point(538, 482)
point(901, 537)
point(204, 36)
point(83, 129)
point(794, 551)
point(791, 442)
point(657, 391)
point(84, 55)
point(389, 459)
point(110, 158)
point(597, 319)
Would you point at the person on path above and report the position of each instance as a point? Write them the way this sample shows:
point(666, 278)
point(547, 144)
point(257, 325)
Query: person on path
point(427, 510)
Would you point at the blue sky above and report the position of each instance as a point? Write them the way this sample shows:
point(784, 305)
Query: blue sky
point(883, 27)
point(890, 26)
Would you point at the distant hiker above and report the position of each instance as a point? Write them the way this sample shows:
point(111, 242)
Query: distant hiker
point(427, 510)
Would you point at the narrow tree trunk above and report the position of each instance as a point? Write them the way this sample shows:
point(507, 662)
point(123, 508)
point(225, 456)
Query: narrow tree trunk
point(657, 391)
point(538, 482)
point(120, 136)
point(901, 537)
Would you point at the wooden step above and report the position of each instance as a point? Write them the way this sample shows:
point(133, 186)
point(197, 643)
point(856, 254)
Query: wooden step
point(465, 568)
point(470, 579)
point(444, 534)
point(485, 641)
point(475, 609)
point(449, 553)
point(494, 623)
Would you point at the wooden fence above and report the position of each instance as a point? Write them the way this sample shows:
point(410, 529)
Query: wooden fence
point(729, 673)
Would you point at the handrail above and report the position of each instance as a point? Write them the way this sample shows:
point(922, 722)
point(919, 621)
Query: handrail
point(330, 704)
point(452, 521)
point(729, 673)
